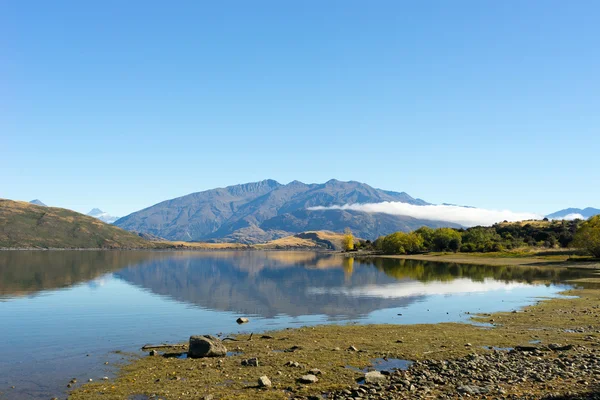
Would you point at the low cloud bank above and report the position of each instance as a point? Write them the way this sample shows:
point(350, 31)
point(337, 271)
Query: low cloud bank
point(572, 216)
point(465, 216)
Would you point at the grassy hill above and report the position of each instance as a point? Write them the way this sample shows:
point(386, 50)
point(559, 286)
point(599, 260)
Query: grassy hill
point(25, 225)
point(306, 240)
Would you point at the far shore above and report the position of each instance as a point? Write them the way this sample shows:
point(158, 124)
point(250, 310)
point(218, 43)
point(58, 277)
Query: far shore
point(558, 260)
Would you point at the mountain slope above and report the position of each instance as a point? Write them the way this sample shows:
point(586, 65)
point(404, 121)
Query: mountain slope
point(267, 210)
point(586, 212)
point(25, 225)
point(37, 203)
point(102, 216)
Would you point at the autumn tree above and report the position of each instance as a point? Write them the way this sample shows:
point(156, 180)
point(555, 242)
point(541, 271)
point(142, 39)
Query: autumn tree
point(348, 240)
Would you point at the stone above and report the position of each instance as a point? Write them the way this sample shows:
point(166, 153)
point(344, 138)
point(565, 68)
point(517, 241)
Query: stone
point(242, 320)
point(316, 371)
point(310, 378)
point(472, 389)
point(153, 353)
point(105, 378)
point(208, 397)
point(264, 381)
point(560, 347)
point(375, 377)
point(206, 346)
point(251, 362)
point(352, 348)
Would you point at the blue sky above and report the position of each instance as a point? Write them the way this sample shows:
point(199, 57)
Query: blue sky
point(120, 105)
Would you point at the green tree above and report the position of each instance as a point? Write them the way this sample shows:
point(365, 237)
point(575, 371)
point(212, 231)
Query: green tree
point(402, 243)
point(348, 240)
point(445, 239)
point(427, 235)
point(588, 236)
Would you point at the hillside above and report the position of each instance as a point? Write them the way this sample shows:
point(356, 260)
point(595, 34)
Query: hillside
point(314, 239)
point(26, 225)
point(267, 210)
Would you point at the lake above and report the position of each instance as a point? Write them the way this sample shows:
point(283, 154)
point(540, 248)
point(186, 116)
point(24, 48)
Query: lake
point(75, 314)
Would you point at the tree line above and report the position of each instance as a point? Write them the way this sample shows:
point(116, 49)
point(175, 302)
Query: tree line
point(499, 237)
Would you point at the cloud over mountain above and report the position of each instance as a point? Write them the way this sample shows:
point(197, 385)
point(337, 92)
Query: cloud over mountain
point(467, 216)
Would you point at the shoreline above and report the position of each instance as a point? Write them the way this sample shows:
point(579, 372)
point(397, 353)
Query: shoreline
point(569, 323)
point(503, 259)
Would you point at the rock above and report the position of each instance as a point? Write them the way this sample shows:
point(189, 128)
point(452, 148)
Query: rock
point(293, 349)
point(90, 380)
point(206, 346)
point(560, 347)
point(352, 348)
point(293, 364)
point(375, 377)
point(468, 345)
point(472, 389)
point(105, 378)
point(264, 381)
point(316, 371)
point(153, 353)
point(526, 348)
point(242, 320)
point(251, 362)
point(208, 397)
point(308, 379)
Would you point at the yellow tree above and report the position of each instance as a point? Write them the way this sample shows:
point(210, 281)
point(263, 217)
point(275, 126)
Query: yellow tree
point(348, 240)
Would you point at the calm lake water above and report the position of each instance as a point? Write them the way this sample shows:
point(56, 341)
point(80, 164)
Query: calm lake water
point(64, 313)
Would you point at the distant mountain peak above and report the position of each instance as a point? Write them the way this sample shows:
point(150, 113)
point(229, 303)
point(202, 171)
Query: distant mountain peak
point(102, 216)
point(37, 202)
point(585, 213)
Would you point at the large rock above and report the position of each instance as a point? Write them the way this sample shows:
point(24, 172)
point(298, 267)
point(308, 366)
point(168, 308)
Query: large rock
point(264, 381)
point(308, 379)
point(375, 377)
point(206, 346)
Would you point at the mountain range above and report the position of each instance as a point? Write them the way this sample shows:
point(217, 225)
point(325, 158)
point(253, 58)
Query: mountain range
point(266, 210)
point(585, 213)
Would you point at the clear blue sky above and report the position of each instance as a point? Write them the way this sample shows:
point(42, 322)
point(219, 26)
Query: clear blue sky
point(122, 104)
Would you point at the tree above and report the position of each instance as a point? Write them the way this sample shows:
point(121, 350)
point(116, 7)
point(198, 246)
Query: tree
point(402, 243)
point(348, 240)
point(588, 236)
point(427, 235)
point(445, 239)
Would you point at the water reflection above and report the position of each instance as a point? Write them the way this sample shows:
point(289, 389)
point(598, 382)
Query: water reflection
point(94, 302)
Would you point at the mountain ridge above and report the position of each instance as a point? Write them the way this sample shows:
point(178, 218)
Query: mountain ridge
point(266, 210)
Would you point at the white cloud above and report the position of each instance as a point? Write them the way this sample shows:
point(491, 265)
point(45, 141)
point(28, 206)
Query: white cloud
point(465, 216)
point(572, 216)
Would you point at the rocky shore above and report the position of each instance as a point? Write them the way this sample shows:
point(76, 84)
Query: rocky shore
point(529, 372)
point(549, 350)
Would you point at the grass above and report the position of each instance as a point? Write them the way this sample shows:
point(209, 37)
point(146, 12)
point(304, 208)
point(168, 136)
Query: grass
point(24, 225)
point(325, 348)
